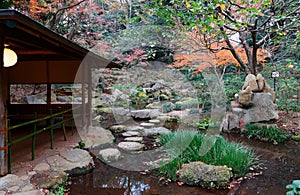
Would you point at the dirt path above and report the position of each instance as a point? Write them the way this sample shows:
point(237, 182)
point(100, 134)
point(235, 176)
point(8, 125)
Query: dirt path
point(21, 152)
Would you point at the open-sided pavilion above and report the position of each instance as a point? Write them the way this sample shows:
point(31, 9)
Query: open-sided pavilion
point(44, 57)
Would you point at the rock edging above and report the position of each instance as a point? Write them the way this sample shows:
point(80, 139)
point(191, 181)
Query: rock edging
point(47, 175)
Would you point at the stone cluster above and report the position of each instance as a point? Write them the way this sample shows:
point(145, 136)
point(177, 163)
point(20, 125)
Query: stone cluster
point(255, 103)
point(49, 174)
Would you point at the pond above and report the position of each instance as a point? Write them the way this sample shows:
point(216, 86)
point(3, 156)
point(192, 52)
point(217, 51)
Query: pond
point(281, 166)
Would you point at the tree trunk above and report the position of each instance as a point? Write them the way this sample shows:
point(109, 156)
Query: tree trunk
point(254, 51)
point(249, 54)
point(235, 54)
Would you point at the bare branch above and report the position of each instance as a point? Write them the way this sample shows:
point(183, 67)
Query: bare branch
point(237, 5)
point(231, 19)
point(234, 53)
point(54, 17)
point(236, 30)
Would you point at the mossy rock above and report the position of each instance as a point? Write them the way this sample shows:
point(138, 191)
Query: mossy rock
point(49, 179)
point(201, 174)
point(104, 110)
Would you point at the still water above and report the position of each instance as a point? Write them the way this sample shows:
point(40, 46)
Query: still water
point(281, 166)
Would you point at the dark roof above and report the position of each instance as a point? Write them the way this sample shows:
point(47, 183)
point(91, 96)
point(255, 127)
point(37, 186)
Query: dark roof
point(33, 41)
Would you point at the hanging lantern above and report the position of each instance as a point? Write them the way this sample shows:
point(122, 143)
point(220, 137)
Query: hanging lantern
point(10, 57)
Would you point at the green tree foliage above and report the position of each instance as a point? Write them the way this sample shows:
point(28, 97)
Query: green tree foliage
point(5, 4)
point(230, 24)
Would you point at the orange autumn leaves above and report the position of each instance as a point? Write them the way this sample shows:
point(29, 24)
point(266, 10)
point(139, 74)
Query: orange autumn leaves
point(205, 59)
point(224, 57)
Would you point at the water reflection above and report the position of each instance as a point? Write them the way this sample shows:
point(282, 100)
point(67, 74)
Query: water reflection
point(123, 182)
point(108, 180)
point(281, 161)
point(105, 180)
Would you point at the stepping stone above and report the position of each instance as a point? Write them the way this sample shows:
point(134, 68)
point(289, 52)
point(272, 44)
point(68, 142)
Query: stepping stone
point(42, 167)
point(118, 128)
point(134, 139)
point(156, 131)
point(68, 160)
point(135, 128)
point(154, 121)
point(131, 146)
point(8, 181)
point(147, 125)
point(130, 133)
point(110, 154)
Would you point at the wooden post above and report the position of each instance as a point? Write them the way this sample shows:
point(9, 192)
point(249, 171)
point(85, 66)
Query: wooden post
point(83, 111)
point(90, 88)
point(3, 115)
point(63, 125)
point(33, 137)
point(51, 130)
point(48, 87)
point(9, 148)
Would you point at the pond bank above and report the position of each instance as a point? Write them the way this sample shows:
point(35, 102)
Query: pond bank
point(280, 162)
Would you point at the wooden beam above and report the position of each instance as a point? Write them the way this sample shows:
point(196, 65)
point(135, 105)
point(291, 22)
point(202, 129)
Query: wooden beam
point(35, 52)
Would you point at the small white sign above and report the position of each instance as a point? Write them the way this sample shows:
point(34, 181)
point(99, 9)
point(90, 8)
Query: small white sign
point(275, 74)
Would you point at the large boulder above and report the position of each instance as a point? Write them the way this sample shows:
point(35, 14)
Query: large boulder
point(201, 174)
point(245, 96)
point(71, 159)
point(258, 84)
point(145, 113)
point(268, 89)
point(263, 109)
point(97, 136)
point(109, 116)
point(255, 103)
point(251, 82)
point(118, 95)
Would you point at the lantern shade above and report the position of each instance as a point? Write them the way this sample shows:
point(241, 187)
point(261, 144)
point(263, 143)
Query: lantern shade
point(10, 57)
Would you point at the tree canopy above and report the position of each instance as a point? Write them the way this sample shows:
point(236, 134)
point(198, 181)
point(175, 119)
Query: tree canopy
point(239, 32)
point(242, 27)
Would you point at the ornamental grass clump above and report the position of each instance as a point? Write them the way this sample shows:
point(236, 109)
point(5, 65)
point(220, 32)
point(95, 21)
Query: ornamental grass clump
point(184, 146)
point(264, 133)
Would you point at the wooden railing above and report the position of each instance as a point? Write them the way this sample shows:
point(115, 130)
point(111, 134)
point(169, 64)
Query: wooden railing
point(66, 116)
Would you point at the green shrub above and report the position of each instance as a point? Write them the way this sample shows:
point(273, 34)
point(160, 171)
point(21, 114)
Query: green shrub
point(294, 188)
point(123, 87)
point(233, 84)
point(287, 85)
point(271, 134)
point(140, 99)
point(167, 107)
point(184, 146)
point(288, 105)
point(204, 123)
point(191, 103)
point(59, 191)
point(80, 145)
